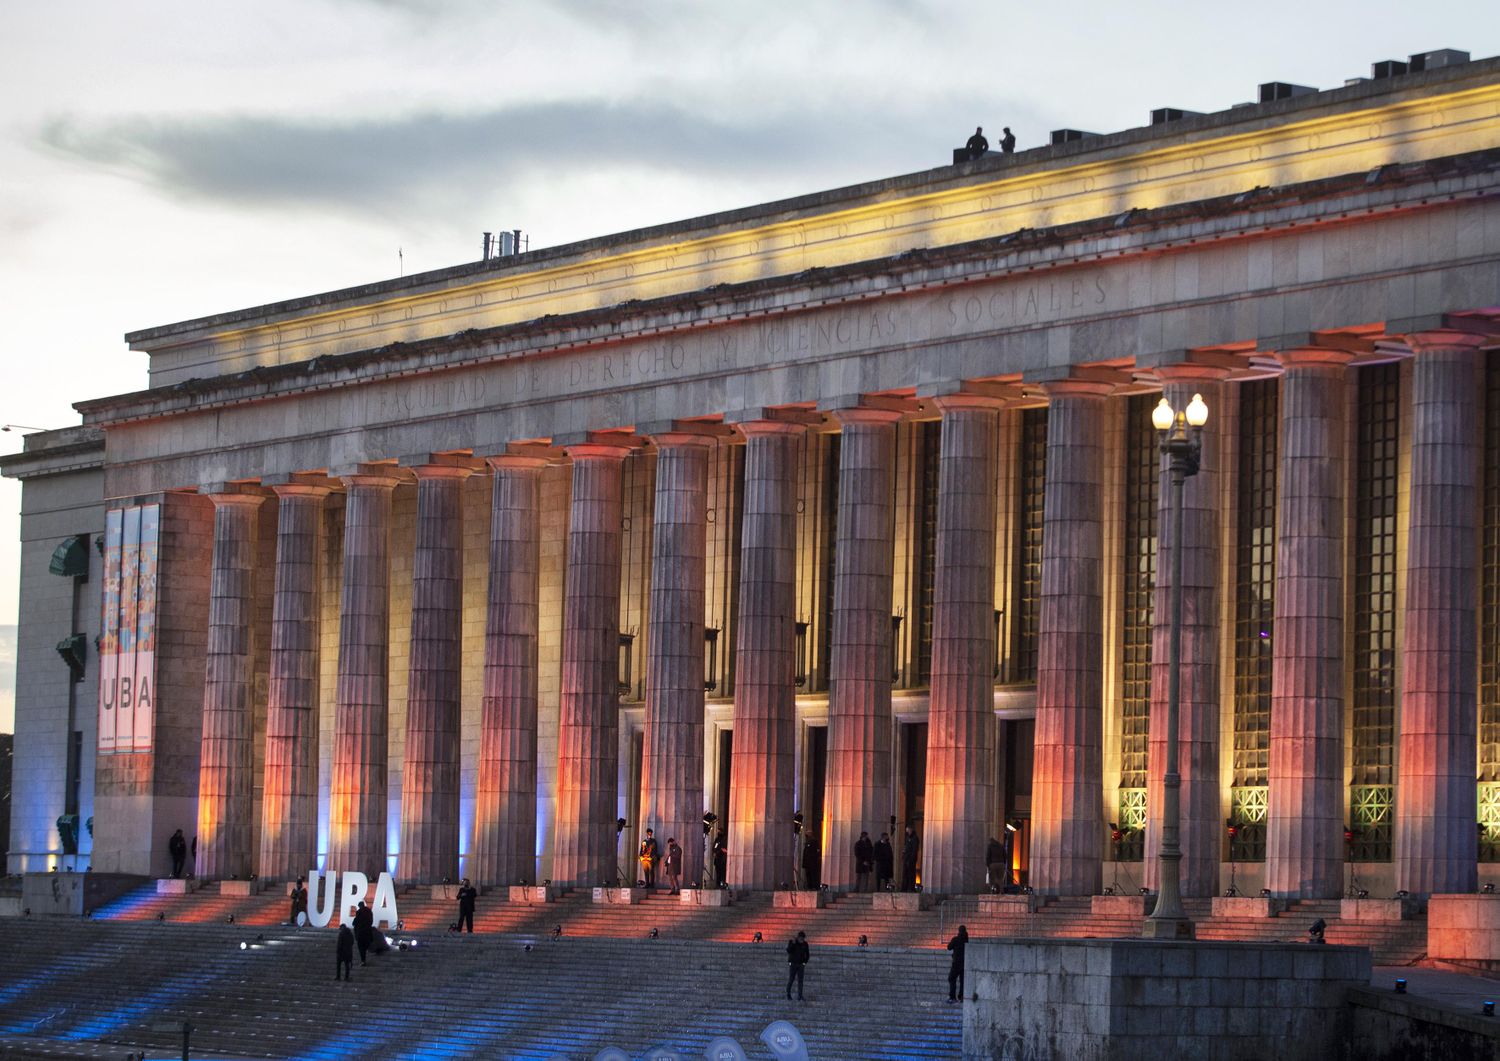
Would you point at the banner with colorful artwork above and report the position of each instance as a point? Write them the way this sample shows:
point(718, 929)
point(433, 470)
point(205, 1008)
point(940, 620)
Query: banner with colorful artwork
point(127, 643)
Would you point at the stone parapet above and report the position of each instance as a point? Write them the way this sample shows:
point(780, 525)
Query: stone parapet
point(908, 902)
point(1464, 928)
point(1249, 906)
point(1057, 999)
point(799, 900)
point(532, 893)
point(619, 896)
point(1400, 909)
point(1121, 905)
point(706, 897)
point(994, 905)
point(176, 886)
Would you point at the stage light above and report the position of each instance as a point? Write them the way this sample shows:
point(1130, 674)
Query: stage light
point(230, 919)
point(1109, 889)
point(1488, 889)
point(527, 948)
point(557, 931)
point(1489, 1009)
point(1400, 987)
point(389, 942)
point(1316, 930)
point(400, 926)
point(521, 883)
point(655, 933)
point(1364, 893)
point(864, 941)
point(547, 883)
point(161, 915)
point(756, 938)
point(1265, 893)
point(244, 945)
point(1402, 894)
point(781, 887)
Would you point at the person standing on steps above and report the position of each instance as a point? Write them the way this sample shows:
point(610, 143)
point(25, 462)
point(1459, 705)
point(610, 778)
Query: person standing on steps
point(648, 857)
point(674, 865)
point(885, 862)
point(345, 954)
point(364, 930)
point(299, 902)
point(864, 862)
point(797, 955)
point(467, 894)
point(956, 969)
point(721, 860)
point(994, 859)
point(909, 850)
point(177, 848)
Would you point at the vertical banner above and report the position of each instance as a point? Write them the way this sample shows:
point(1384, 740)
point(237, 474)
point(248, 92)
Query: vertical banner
point(109, 637)
point(127, 645)
point(144, 693)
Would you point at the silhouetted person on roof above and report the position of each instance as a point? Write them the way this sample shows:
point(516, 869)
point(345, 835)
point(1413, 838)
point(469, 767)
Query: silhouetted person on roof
point(1008, 141)
point(977, 144)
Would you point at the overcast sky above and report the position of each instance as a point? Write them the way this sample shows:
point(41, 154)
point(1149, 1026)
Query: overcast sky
point(167, 160)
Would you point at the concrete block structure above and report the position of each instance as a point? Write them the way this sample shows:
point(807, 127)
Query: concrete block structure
point(834, 515)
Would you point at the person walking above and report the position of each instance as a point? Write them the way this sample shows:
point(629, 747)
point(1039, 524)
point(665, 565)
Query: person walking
point(467, 894)
point(885, 862)
point(177, 848)
point(364, 930)
point(910, 847)
point(797, 955)
point(674, 865)
point(864, 862)
point(648, 858)
point(299, 902)
point(956, 969)
point(345, 954)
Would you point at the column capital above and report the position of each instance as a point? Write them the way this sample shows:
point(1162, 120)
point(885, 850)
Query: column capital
point(772, 427)
point(1299, 356)
point(1427, 342)
point(861, 414)
point(887, 408)
point(597, 451)
point(442, 471)
point(1189, 372)
point(234, 495)
point(1078, 388)
point(965, 401)
point(518, 462)
point(440, 465)
point(793, 416)
point(361, 474)
point(294, 489)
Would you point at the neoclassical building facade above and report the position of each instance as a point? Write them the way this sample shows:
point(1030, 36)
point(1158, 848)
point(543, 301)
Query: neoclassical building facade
point(846, 508)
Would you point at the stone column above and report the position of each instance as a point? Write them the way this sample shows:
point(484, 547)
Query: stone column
point(226, 783)
point(1198, 699)
point(761, 800)
point(1436, 800)
point(1305, 809)
point(505, 812)
point(859, 795)
point(672, 765)
point(588, 752)
point(429, 773)
point(357, 810)
point(1067, 845)
point(289, 806)
point(960, 808)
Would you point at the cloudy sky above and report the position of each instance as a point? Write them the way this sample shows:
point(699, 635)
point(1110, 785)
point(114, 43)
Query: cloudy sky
point(165, 160)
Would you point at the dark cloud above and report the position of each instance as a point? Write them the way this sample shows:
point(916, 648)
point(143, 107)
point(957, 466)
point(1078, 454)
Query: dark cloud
point(388, 166)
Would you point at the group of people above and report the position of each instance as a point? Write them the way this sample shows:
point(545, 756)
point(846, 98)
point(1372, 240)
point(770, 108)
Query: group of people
point(876, 862)
point(360, 934)
point(978, 144)
point(650, 856)
point(798, 953)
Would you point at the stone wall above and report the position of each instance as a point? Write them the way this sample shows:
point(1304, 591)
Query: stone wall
point(1118, 1000)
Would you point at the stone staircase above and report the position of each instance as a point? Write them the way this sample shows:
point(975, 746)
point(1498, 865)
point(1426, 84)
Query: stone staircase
point(840, 923)
point(78, 988)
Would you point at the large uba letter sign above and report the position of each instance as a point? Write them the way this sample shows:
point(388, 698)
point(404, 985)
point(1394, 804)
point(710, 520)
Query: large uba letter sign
point(355, 887)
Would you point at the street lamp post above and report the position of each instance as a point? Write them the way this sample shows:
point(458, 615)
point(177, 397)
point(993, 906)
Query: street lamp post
point(1181, 434)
